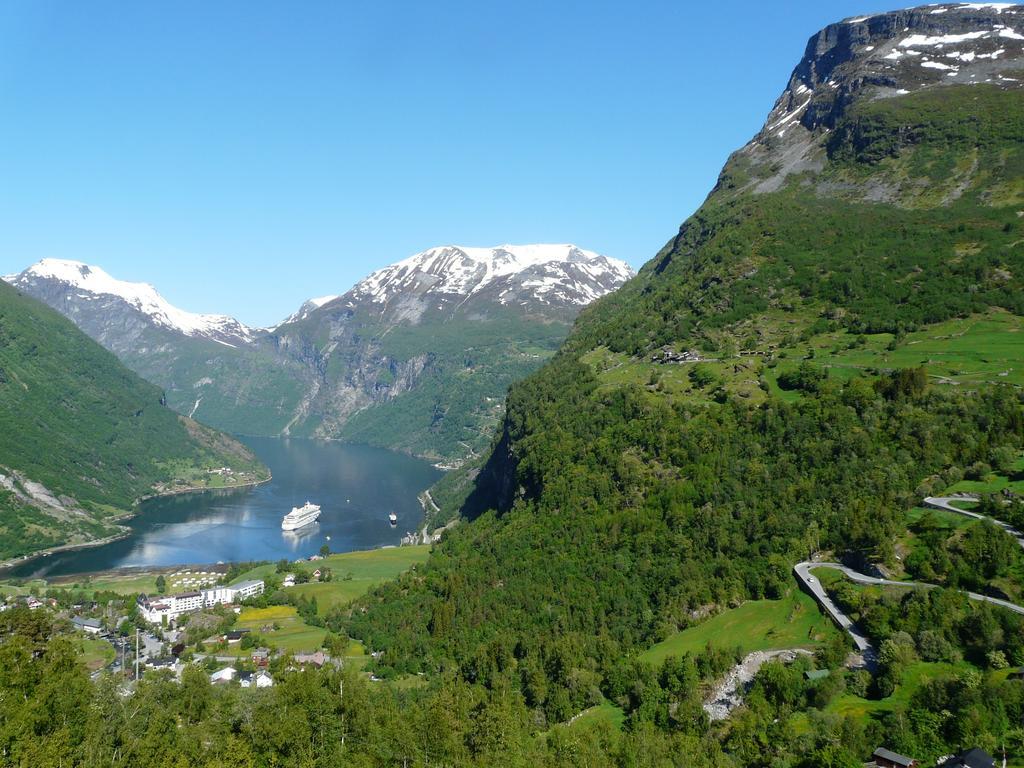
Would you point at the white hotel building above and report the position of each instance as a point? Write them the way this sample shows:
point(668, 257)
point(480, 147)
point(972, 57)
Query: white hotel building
point(160, 607)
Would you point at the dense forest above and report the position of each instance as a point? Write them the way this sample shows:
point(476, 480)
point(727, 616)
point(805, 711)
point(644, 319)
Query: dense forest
point(631, 514)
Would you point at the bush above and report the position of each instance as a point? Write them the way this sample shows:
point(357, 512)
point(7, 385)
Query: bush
point(805, 378)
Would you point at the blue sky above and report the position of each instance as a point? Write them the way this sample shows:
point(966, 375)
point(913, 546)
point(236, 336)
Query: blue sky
point(243, 156)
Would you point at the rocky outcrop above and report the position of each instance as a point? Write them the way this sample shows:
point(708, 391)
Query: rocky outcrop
point(879, 56)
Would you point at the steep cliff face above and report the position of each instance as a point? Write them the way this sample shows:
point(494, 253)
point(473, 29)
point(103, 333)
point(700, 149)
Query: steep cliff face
point(875, 57)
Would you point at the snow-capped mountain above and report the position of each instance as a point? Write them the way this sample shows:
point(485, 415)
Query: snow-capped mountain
point(90, 296)
point(309, 306)
point(416, 356)
point(509, 274)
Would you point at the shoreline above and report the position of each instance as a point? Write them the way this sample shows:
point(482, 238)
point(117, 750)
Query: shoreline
point(132, 570)
point(201, 489)
point(124, 531)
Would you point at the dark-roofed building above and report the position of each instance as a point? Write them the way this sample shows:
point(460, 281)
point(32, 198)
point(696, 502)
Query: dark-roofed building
point(886, 758)
point(972, 758)
point(92, 626)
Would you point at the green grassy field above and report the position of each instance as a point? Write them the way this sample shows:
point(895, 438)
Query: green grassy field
point(367, 569)
point(950, 520)
point(119, 584)
point(916, 675)
point(259, 572)
point(595, 717)
point(292, 633)
point(354, 574)
point(793, 622)
point(332, 593)
point(407, 682)
point(94, 653)
point(122, 584)
point(987, 347)
point(992, 484)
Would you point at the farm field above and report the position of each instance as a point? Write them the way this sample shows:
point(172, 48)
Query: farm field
point(793, 622)
point(281, 627)
point(356, 573)
point(353, 574)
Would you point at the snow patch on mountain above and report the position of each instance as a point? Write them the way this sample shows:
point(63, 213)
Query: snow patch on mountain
point(551, 272)
point(308, 306)
point(881, 56)
point(92, 282)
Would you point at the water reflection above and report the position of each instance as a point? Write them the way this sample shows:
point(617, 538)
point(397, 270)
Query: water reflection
point(355, 486)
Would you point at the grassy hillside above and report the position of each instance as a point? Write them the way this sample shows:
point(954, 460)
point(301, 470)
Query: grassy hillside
point(82, 438)
point(758, 625)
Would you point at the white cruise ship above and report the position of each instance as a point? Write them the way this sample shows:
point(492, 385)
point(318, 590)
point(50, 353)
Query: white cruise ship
point(300, 516)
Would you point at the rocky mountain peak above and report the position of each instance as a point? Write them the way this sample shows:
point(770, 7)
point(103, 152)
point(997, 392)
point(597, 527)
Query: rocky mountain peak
point(547, 273)
point(882, 56)
point(83, 291)
point(309, 306)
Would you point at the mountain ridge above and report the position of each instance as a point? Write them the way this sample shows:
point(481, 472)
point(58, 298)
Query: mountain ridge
point(461, 270)
point(92, 282)
point(351, 366)
point(874, 57)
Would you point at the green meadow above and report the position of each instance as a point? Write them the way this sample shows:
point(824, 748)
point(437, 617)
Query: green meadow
point(757, 625)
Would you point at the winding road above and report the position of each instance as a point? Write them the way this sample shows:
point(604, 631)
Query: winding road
point(803, 574)
point(946, 503)
point(729, 691)
point(812, 585)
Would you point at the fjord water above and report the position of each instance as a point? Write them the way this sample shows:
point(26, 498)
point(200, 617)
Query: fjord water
point(356, 487)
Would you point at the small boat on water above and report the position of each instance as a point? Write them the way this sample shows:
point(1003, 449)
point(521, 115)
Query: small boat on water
point(300, 516)
point(393, 519)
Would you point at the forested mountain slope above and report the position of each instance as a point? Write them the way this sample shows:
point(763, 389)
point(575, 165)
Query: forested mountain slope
point(836, 332)
point(82, 438)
